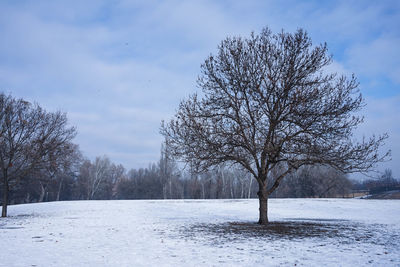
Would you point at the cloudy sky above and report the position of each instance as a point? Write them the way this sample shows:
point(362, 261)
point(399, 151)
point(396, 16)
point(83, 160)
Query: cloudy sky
point(119, 67)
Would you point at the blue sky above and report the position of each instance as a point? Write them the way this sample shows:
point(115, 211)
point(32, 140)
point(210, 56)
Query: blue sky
point(119, 67)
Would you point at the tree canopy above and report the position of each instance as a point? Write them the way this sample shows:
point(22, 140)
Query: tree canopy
point(269, 104)
point(30, 139)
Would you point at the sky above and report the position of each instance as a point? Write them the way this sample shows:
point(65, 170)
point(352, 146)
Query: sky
point(117, 68)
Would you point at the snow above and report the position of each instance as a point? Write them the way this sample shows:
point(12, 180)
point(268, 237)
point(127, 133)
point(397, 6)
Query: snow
point(344, 232)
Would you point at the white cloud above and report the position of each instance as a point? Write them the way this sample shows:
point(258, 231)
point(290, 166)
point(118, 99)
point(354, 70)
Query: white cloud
point(336, 67)
point(380, 57)
point(381, 115)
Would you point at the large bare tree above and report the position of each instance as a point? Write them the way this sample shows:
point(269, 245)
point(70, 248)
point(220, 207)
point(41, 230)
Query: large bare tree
point(269, 104)
point(30, 138)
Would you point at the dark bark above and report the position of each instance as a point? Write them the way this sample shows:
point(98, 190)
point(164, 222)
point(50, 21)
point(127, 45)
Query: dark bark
point(263, 201)
point(5, 197)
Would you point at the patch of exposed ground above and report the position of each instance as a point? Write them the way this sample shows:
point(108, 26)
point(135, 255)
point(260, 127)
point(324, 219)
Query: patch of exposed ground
point(333, 231)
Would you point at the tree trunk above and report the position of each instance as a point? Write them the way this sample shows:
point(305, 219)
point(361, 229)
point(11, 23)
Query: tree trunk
point(223, 184)
point(203, 192)
point(28, 198)
point(164, 191)
point(251, 182)
point(231, 188)
point(5, 197)
point(242, 189)
point(263, 200)
point(59, 189)
point(170, 188)
point(42, 193)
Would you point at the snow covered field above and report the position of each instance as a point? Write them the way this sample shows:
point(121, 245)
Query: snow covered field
point(309, 232)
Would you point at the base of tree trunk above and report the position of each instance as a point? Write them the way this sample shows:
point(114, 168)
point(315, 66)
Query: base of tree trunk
point(263, 202)
point(4, 211)
point(5, 199)
point(263, 223)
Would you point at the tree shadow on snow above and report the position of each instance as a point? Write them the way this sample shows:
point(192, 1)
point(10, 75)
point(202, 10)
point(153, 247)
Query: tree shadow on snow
point(337, 231)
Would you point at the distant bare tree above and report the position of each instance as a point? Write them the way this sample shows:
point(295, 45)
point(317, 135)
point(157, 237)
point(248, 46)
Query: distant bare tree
point(168, 172)
point(268, 101)
point(69, 164)
point(98, 173)
point(117, 173)
point(58, 164)
point(314, 181)
point(30, 138)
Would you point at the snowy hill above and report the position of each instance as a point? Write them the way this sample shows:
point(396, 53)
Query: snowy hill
point(309, 232)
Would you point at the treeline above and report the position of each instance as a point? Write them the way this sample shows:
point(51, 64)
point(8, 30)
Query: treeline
point(386, 182)
point(83, 179)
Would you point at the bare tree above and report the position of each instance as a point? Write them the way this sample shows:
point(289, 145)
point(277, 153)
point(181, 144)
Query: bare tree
point(269, 101)
point(98, 173)
point(168, 171)
point(29, 136)
point(117, 173)
point(314, 181)
point(67, 162)
point(57, 165)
